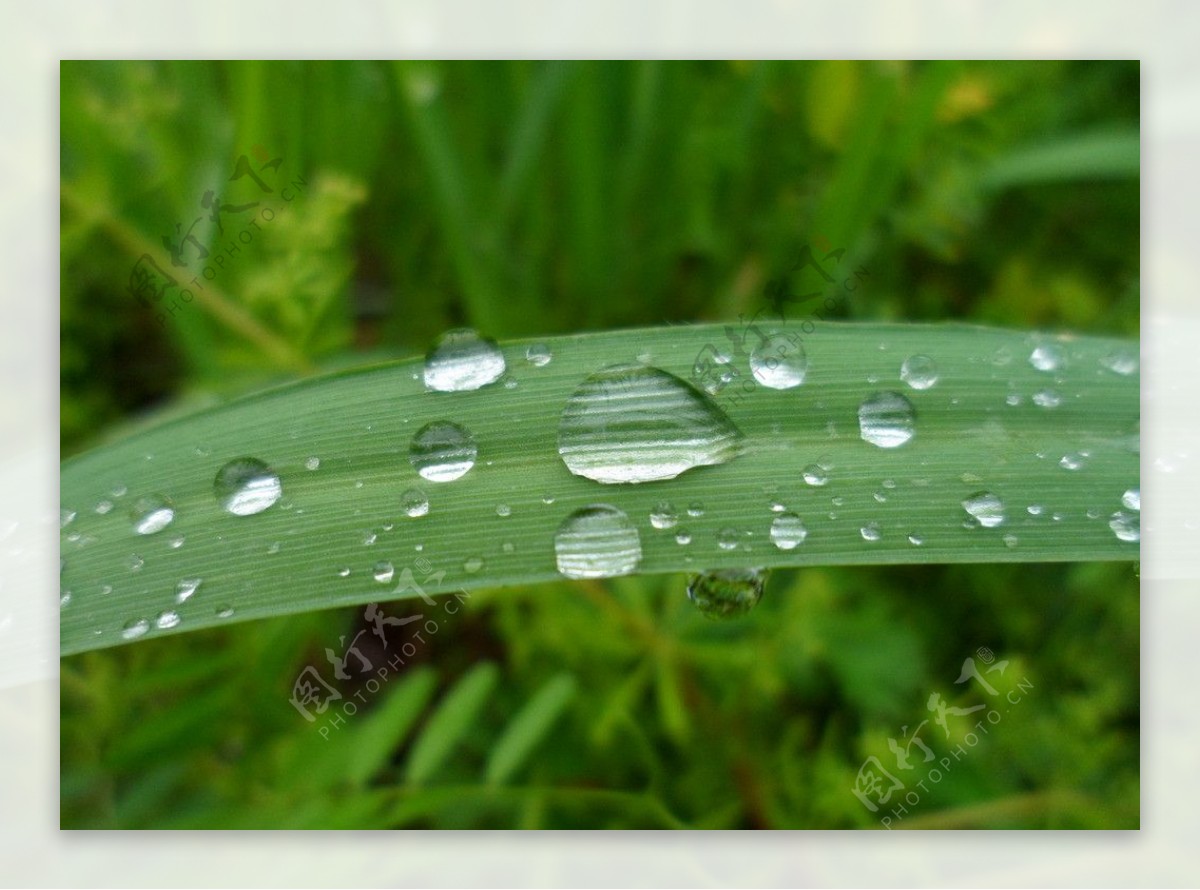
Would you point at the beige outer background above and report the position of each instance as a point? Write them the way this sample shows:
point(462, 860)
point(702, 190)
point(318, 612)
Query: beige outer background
point(34, 37)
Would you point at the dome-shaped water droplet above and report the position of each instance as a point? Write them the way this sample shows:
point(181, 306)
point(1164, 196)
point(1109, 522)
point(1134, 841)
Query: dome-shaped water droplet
point(886, 419)
point(152, 514)
point(383, 572)
point(597, 542)
point(503, 510)
point(779, 361)
point(1011, 541)
point(664, 515)
point(538, 355)
point(1123, 363)
point(414, 503)
point(1132, 499)
point(695, 509)
point(104, 506)
point(985, 508)
point(313, 463)
point(472, 565)
point(726, 593)
point(871, 532)
point(919, 371)
point(462, 361)
point(1071, 461)
point(1047, 398)
point(1047, 357)
point(442, 451)
point(683, 537)
point(246, 486)
point(224, 611)
point(1126, 526)
point(727, 538)
point(916, 540)
point(788, 531)
point(134, 628)
point(631, 423)
point(167, 619)
point(185, 588)
point(65, 518)
point(815, 474)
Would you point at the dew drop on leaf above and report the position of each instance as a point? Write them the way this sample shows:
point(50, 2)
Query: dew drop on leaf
point(463, 361)
point(246, 486)
point(597, 541)
point(442, 451)
point(886, 419)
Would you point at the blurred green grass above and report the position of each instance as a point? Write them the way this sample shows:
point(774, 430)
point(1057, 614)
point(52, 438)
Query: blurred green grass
point(529, 198)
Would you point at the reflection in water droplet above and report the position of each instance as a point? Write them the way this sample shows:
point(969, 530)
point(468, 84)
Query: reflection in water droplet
point(167, 619)
point(727, 593)
point(631, 423)
point(1132, 499)
point(383, 571)
point(442, 451)
point(597, 542)
point(246, 486)
point(664, 515)
point(985, 508)
point(788, 531)
point(1126, 526)
point(65, 599)
point(185, 588)
point(886, 419)
point(1047, 357)
point(919, 371)
point(815, 474)
point(779, 361)
point(1035, 509)
point(463, 361)
point(538, 355)
point(871, 532)
point(1047, 398)
point(152, 514)
point(134, 628)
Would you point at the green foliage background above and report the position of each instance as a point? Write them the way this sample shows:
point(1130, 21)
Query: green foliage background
point(533, 198)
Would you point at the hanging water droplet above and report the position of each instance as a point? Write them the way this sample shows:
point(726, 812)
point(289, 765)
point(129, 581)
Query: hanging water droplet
point(788, 531)
point(538, 355)
point(152, 514)
point(871, 532)
point(1123, 363)
point(313, 463)
point(631, 423)
point(414, 503)
point(472, 565)
point(985, 508)
point(246, 486)
point(1126, 526)
point(442, 451)
point(134, 628)
point(815, 474)
point(664, 515)
point(726, 593)
point(779, 361)
point(919, 371)
point(727, 538)
point(1047, 357)
point(886, 419)
point(185, 588)
point(383, 572)
point(1047, 398)
point(597, 542)
point(1132, 499)
point(463, 361)
point(503, 510)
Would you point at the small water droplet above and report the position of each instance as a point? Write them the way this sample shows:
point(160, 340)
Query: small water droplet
point(1011, 540)
point(313, 463)
point(1132, 499)
point(65, 518)
point(788, 531)
point(631, 423)
point(778, 507)
point(442, 451)
point(664, 515)
point(185, 588)
point(134, 628)
point(886, 419)
point(1012, 399)
point(916, 540)
point(167, 619)
point(1126, 526)
point(880, 497)
point(1047, 398)
point(683, 537)
point(64, 599)
point(597, 541)
point(383, 572)
point(344, 572)
point(727, 538)
point(105, 589)
point(1002, 356)
point(726, 593)
point(815, 474)
point(503, 510)
point(538, 355)
point(104, 507)
point(369, 538)
point(507, 547)
point(463, 361)
point(1047, 357)
point(695, 509)
point(225, 612)
point(136, 562)
point(176, 542)
point(1123, 363)
point(472, 565)
point(1035, 509)
point(919, 371)
point(871, 532)
point(779, 361)
point(246, 486)
point(414, 503)
point(152, 514)
point(1071, 461)
point(985, 508)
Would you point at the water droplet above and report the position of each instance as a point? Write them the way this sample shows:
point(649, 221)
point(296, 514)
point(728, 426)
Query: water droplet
point(1047, 398)
point(630, 423)
point(152, 514)
point(727, 538)
point(919, 371)
point(1035, 509)
point(726, 593)
point(695, 509)
point(664, 515)
point(463, 361)
point(507, 547)
point(880, 497)
point(1123, 363)
point(985, 508)
point(916, 540)
point(225, 612)
point(1132, 499)
point(65, 599)
point(136, 562)
point(1047, 357)
point(105, 589)
point(1002, 356)
point(597, 541)
point(779, 361)
point(788, 531)
point(414, 503)
point(777, 507)
point(344, 572)
point(538, 355)
point(1126, 526)
point(886, 419)
point(442, 451)
point(176, 542)
point(65, 518)
point(104, 507)
point(1011, 540)
point(472, 565)
point(383, 572)
point(815, 474)
point(547, 499)
point(683, 537)
point(1071, 461)
point(369, 539)
point(185, 588)
point(167, 619)
point(871, 532)
point(246, 486)
point(503, 510)
point(313, 463)
point(1012, 399)
point(134, 628)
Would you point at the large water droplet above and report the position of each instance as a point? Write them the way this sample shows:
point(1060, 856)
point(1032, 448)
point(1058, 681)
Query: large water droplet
point(1047, 357)
point(788, 531)
point(246, 486)
point(631, 423)
point(462, 361)
point(985, 508)
point(597, 542)
point(442, 451)
point(779, 361)
point(886, 419)
point(152, 514)
point(919, 371)
point(726, 593)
